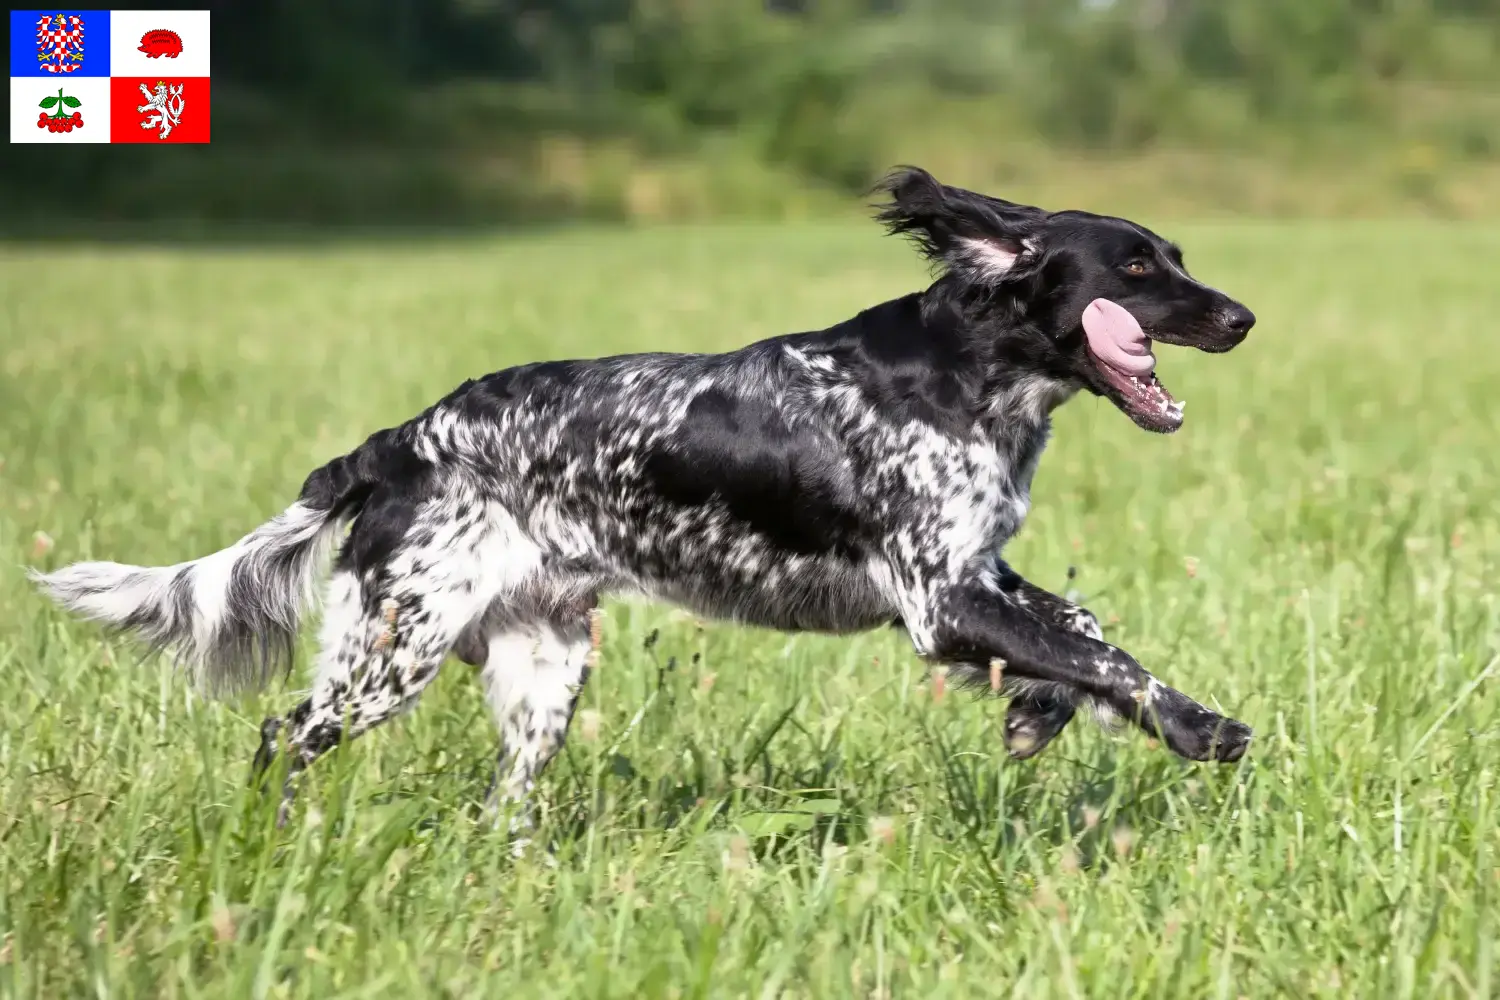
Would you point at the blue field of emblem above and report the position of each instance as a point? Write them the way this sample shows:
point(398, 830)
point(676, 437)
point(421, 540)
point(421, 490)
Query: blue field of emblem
point(59, 43)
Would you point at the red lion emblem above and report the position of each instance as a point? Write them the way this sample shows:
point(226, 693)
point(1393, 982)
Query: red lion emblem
point(160, 43)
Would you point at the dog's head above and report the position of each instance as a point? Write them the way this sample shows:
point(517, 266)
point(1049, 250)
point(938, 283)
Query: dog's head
point(1070, 296)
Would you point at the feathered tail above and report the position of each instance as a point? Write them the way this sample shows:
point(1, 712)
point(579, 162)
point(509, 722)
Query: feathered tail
point(230, 618)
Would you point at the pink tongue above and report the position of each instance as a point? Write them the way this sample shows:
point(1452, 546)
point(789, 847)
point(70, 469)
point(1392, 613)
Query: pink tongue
point(1116, 338)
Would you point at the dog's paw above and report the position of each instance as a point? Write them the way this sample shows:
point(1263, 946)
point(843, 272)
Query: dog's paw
point(1232, 741)
point(1192, 731)
point(1208, 737)
point(1031, 724)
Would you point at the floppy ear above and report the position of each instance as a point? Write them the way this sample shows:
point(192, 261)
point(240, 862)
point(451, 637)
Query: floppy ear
point(971, 234)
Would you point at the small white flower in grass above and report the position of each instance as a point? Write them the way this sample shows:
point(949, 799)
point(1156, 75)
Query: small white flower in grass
point(41, 544)
point(737, 854)
point(223, 925)
point(939, 684)
point(588, 725)
point(1047, 901)
point(596, 638)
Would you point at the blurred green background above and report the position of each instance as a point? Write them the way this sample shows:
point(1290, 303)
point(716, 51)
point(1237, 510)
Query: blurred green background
point(473, 112)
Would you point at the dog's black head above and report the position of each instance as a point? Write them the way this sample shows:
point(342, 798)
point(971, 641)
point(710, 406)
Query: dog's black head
point(1068, 296)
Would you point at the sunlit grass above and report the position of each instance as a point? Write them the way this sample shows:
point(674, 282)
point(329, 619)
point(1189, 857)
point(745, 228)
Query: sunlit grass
point(748, 813)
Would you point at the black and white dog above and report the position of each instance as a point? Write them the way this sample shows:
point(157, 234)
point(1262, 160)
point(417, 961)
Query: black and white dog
point(864, 475)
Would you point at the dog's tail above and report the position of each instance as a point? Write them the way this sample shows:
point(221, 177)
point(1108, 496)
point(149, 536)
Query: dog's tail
point(230, 618)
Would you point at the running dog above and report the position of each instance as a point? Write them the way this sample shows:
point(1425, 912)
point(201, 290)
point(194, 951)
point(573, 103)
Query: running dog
point(865, 475)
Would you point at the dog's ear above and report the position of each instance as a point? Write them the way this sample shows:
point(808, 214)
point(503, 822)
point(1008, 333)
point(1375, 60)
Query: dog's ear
point(980, 237)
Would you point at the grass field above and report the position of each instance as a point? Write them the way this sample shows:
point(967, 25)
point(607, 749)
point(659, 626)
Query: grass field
point(750, 814)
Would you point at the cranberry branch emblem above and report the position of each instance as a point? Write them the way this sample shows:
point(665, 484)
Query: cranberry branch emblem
point(61, 120)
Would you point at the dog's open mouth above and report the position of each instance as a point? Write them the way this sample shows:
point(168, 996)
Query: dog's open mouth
point(1122, 353)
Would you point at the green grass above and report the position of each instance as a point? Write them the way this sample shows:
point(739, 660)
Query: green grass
point(747, 813)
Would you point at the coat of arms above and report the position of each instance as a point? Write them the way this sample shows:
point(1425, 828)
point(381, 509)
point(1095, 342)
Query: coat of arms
point(60, 120)
point(59, 42)
point(163, 107)
point(161, 42)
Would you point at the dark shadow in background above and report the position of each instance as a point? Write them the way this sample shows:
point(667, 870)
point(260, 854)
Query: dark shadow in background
point(320, 131)
point(354, 119)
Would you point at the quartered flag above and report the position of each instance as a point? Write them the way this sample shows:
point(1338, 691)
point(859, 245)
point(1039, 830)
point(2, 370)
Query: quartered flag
point(109, 76)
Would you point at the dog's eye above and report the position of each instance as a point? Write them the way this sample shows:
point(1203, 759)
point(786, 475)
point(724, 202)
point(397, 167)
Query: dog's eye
point(1136, 267)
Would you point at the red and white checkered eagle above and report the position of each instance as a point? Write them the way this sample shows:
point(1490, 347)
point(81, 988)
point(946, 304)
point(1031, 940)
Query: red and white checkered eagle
point(59, 42)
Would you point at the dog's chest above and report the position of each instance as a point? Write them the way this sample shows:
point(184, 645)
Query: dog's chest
point(948, 500)
point(991, 506)
point(1018, 458)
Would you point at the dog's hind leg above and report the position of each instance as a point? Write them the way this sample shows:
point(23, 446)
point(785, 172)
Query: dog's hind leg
point(533, 675)
point(345, 642)
point(383, 643)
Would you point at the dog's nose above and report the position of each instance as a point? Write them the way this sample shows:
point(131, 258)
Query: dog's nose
point(1237, 319)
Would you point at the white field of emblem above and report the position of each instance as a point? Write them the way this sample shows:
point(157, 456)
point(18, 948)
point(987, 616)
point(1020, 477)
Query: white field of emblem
point(163, 108)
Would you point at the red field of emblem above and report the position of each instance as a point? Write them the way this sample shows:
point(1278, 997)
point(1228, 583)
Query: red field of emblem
point(159, 109)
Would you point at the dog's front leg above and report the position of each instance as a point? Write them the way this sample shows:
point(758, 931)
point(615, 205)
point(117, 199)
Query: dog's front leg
point(1038, 712)
point(974, 622)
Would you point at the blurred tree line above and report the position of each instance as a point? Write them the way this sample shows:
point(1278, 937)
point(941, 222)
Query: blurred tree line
point(439, 110)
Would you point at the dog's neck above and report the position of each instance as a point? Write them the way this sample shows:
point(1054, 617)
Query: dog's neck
point(1026, 399)
point(1018, 391)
